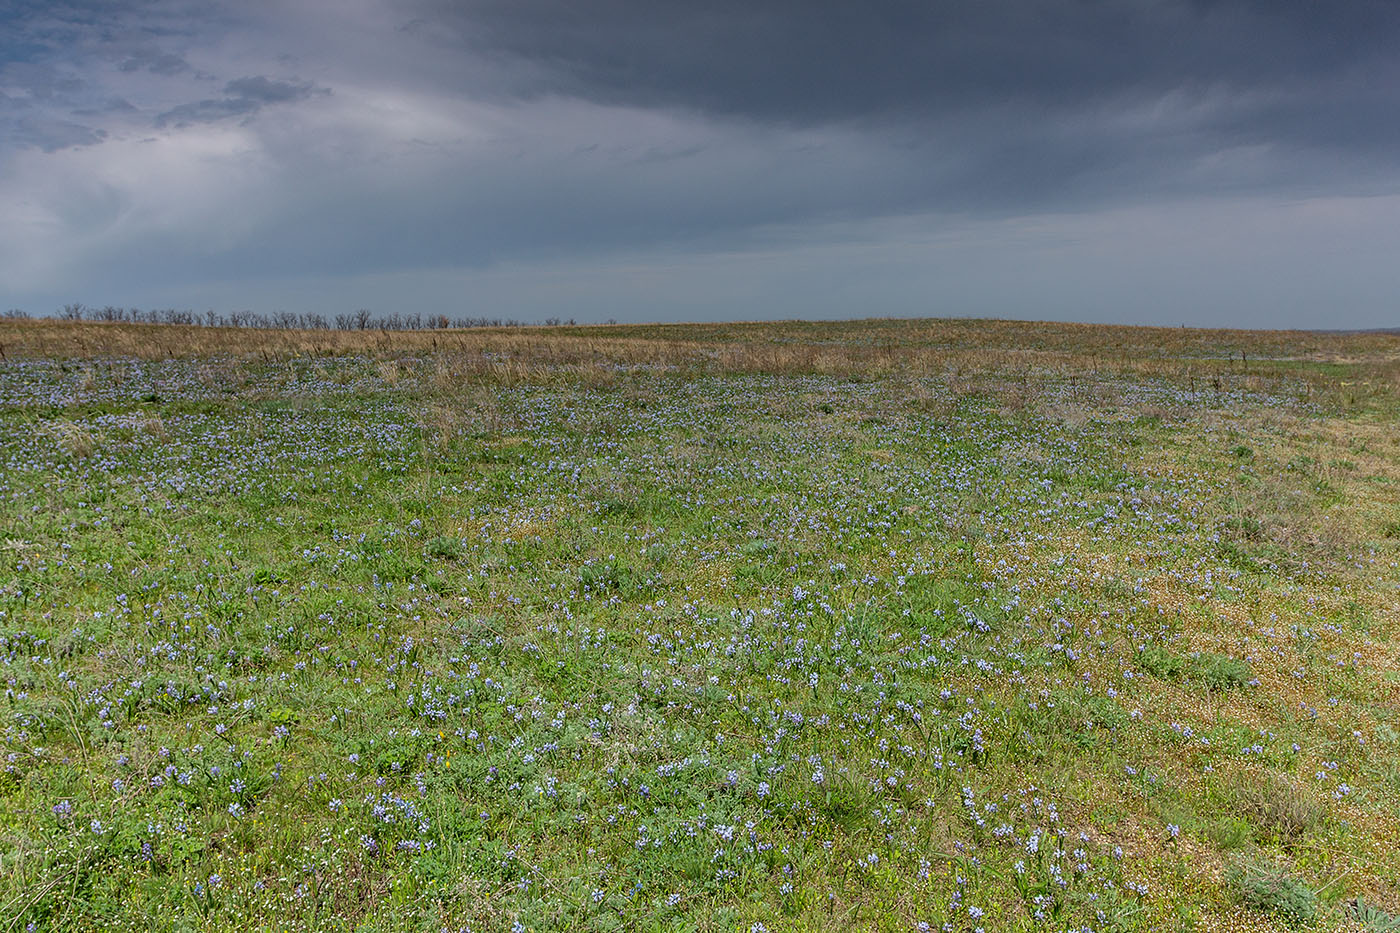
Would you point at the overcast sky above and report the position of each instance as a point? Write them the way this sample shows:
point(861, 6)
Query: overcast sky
point(1143, 161)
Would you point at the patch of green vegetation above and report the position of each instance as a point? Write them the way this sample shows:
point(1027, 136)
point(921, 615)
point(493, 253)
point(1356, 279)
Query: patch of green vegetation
point(1268, 888)
point(1161, 662)
point(1211, 670)
point(1373, 918)
point(445, 547)
point(1219, 672)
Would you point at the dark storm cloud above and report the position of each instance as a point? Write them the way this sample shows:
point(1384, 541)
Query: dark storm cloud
point(243, 97)
point(1323, 73)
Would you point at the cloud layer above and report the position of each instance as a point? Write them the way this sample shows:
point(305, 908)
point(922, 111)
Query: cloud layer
point(171, 152)
point(242, 97)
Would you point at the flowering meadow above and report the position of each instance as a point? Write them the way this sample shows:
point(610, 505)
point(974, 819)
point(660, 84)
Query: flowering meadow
point(680, 633)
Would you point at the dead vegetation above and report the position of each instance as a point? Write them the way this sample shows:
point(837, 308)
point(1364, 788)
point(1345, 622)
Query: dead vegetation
point(1277, 806)
point(923, 345)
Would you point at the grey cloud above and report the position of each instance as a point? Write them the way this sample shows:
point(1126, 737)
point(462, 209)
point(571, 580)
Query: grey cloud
point(50, 135)
point(821, 60)
point(29, 124)
point(207, 111)
point(243, 97)
point(156, 62)
point(110, 106)
point(41, 80)
point(265, 90)
point(996, 80)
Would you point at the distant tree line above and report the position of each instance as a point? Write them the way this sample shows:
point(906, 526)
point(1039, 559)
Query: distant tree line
point(362, 319)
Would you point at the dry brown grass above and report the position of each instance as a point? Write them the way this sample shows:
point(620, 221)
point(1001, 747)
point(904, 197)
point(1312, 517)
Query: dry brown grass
point(76, 440)
point(871, 345)
point(1277, 805)
point(1070, 373)
point(154, 426)
point(468, 408)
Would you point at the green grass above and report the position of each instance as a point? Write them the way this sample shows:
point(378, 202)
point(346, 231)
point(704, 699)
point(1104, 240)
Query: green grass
point(690, 650)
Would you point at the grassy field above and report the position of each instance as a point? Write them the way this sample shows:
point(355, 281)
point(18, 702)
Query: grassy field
point(893, 625)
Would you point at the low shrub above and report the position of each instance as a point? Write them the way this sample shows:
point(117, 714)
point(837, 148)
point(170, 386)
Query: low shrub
point(1270, 889)
point(1220, 672)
